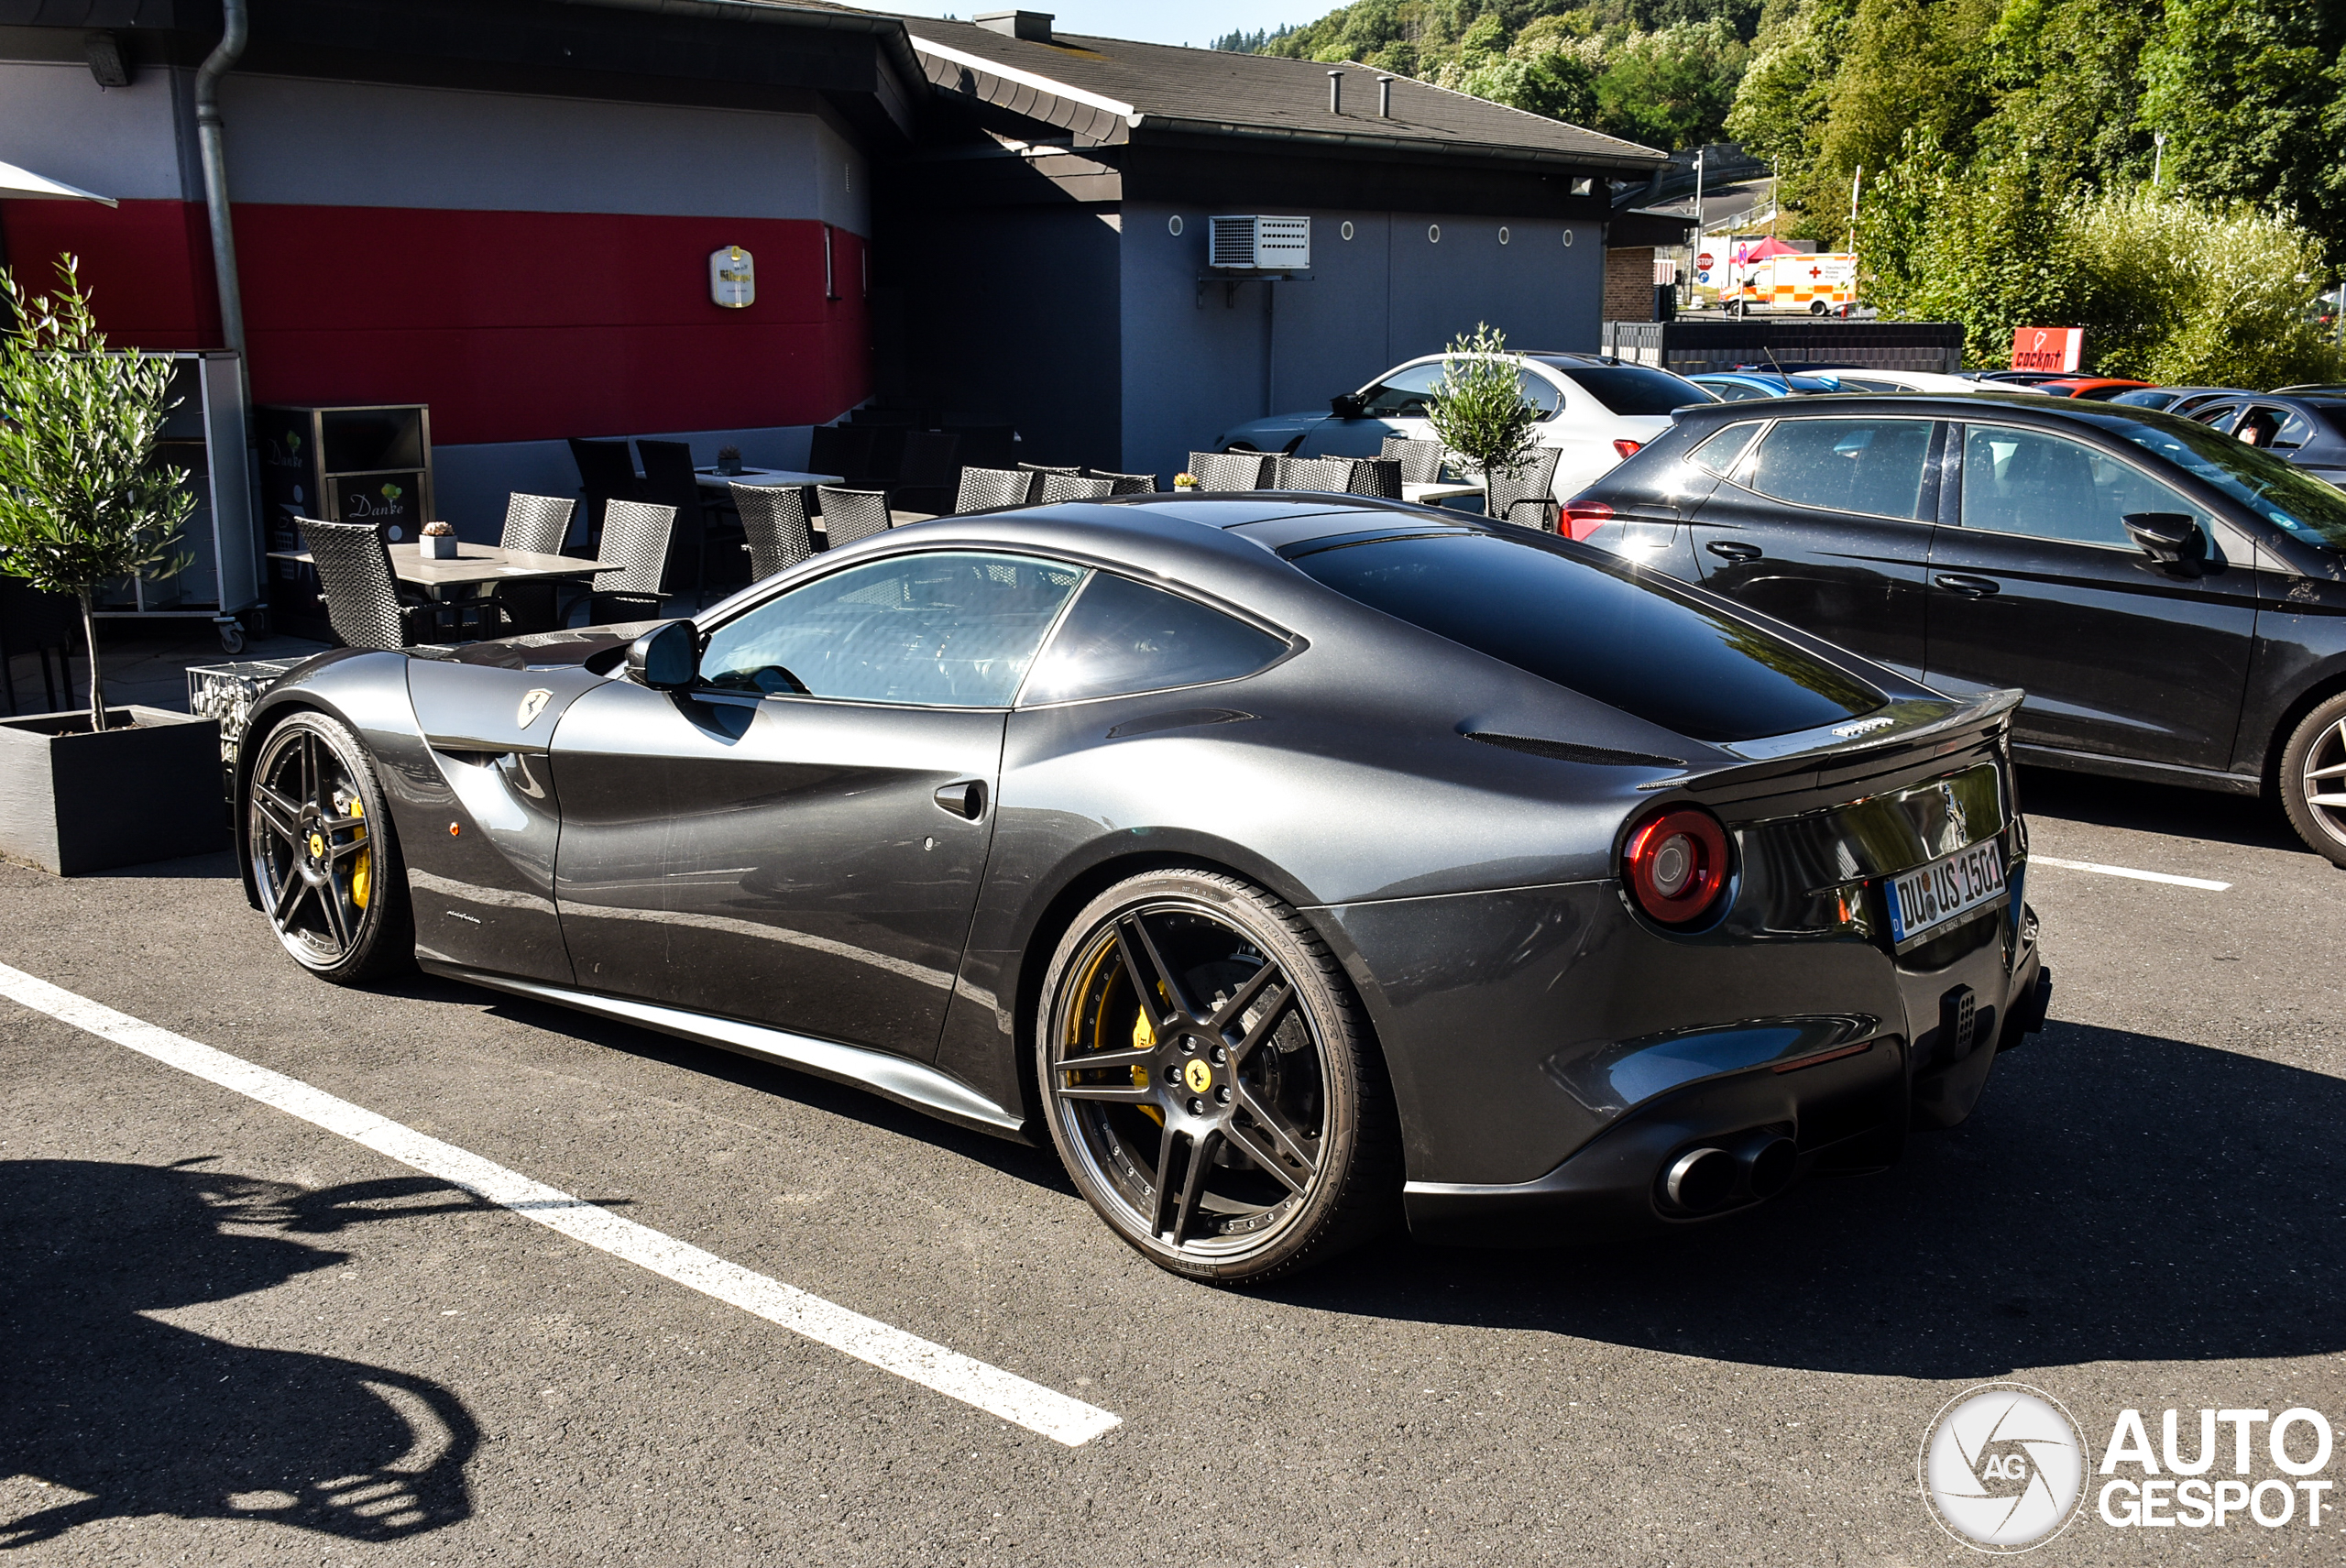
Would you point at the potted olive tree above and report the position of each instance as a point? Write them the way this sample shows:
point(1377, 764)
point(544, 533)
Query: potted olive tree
point(83, 502)
point(1478, 408)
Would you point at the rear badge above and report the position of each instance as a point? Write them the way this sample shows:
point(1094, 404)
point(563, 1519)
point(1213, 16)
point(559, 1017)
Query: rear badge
point(1843, 731)
point(534, 702)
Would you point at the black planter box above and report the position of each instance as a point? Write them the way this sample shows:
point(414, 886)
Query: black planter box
point(80, 802)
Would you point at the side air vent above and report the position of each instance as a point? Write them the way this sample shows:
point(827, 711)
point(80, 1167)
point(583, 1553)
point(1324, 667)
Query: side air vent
point(1566, 752)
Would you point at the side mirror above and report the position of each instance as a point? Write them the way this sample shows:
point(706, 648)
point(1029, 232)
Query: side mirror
point(2171, 538)
point(666, 658)
point(1345, 405)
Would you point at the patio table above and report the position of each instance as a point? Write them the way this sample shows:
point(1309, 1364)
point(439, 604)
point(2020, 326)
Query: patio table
point(476, 569)
point(1434, 494)
point(710, 479)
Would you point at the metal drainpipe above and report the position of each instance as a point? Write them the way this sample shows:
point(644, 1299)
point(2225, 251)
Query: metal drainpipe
point(216, 182)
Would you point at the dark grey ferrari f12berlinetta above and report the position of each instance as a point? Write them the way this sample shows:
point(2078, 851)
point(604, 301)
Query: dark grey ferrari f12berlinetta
point(1287, 862)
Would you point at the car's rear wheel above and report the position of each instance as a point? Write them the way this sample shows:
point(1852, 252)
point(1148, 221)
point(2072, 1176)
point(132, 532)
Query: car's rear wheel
point(2313, 779)
point(1209, 1081)
point(324, 860)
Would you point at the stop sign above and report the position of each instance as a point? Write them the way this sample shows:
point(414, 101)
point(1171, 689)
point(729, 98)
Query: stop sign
point(1703, 261)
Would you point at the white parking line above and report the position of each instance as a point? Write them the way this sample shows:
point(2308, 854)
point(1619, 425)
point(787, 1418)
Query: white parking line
point(1000, 1393)
point(2201, 882)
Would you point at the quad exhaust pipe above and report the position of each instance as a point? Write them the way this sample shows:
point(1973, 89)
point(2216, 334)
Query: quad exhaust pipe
point(1746, 1170)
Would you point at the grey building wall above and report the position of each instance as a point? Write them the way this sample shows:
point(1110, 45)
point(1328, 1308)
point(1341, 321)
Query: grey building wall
point(1196, 362)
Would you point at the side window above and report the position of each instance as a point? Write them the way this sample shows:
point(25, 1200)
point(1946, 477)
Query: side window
point(1403, 394)
point(1844, 464)
point(946, 629)
point(1539, 392)
point(2274, 429)
point(1125, 637)
point(2049, 487)
point(1720, 453)
point(1731, 392)
point(2217, 414)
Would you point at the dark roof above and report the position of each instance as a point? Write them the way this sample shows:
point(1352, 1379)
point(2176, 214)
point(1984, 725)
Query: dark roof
point(1111, 91)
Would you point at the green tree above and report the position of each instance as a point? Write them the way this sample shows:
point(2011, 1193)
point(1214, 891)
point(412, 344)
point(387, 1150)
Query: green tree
point(1477, 409)
point(83, 500)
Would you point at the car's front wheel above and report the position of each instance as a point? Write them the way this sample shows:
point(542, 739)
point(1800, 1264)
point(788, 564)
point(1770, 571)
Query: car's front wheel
point(324, 860)
point(1209, 1081)
point(2313, 779)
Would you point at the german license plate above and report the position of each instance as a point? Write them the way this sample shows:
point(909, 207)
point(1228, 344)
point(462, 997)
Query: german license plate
point(1928, 897)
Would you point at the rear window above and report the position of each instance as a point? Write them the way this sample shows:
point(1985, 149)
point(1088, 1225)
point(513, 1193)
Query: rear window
point(1634, 642)
point(1632, 388)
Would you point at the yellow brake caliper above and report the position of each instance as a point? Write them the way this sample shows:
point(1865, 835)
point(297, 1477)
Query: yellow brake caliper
point(1144, 1038)
point(362, 868)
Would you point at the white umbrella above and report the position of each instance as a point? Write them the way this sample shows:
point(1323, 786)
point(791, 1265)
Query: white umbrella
point(22, 185)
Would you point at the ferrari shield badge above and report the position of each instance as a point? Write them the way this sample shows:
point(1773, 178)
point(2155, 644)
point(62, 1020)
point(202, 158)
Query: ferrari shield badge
point(534, 702)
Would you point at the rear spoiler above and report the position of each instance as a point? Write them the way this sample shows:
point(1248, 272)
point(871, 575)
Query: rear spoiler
point(1901, 739)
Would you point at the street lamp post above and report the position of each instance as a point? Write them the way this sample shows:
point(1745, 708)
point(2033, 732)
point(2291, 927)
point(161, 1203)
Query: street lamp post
point(2158, 157)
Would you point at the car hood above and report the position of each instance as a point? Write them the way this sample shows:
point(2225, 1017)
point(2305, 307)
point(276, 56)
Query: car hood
point(1273, 433)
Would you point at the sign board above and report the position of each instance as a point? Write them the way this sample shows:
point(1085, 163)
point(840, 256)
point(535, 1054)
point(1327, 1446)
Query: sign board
point(1704, 262)
point(732, 279)
point(2048, 347)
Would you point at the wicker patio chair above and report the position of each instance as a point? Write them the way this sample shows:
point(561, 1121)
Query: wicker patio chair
point(984, 489)
point(1311, 473)
point(851, 515)
point(1378, 476)
point(774, 523)
point(635, 535)
point(1075, 488)
point(1530, 483)
point(606, 473)
point(537, 524)
point(1231, 470)
point(1128, 484)
point(367, 606)
point(1420, 460)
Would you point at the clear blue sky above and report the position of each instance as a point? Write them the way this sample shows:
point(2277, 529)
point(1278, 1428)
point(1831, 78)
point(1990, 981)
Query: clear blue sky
point(1197, 22)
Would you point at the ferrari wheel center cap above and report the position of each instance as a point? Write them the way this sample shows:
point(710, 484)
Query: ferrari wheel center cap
point(317, 847)
point(1198, 1076)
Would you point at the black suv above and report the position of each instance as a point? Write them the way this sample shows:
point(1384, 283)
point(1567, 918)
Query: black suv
point(2173, 600)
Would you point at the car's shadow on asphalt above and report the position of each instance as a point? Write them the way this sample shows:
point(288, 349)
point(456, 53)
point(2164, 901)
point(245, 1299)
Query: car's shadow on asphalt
point(2158, 808)
point(2116, 1197)
point(141, 1416)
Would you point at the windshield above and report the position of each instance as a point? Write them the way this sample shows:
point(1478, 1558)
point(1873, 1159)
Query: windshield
point(2285, 495)
point(1631, 388)
point(1635, 641)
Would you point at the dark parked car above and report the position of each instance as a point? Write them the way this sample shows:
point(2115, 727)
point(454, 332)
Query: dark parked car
point(1287, 862)
point(2174, 600)
point(2310, 431)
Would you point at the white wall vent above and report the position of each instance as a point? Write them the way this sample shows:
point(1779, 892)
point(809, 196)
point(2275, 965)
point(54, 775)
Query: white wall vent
point(1260, 244)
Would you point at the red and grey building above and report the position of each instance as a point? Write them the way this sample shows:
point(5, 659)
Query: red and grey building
point(505, 209)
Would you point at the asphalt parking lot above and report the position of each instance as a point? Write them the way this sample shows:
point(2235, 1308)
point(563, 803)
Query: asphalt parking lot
point(236, 1337)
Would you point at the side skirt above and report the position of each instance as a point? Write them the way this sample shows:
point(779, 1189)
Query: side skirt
point(2141, 772)
point(906, 1082)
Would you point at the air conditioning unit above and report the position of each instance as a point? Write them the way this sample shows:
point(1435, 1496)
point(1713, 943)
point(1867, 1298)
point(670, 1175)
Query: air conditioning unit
point(1259, 244)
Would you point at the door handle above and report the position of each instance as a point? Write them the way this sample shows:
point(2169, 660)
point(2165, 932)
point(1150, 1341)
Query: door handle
point(1971, 588)
point(1728, 550)
point(967, 798)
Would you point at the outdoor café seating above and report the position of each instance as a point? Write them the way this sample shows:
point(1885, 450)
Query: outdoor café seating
point(367, 606)
point(1127, 484)
point(606, 473)
point(635, 534)
point(1420, 460)
point(983, 489)
point(774, 527)
point(1312, 473)
point(1075, 488)
point(1529, 484)
point(1231, 470)
point(670, 480)
point(849, 515)
point(537, 524)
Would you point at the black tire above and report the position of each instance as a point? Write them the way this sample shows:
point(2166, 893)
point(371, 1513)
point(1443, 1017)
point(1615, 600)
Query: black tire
point(1241, 1130)
point(325, 859)
point(2317, 805)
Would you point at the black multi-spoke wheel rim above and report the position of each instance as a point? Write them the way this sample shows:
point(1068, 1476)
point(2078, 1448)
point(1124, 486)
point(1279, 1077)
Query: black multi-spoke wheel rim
point(311, 863)
point(1190, 1079)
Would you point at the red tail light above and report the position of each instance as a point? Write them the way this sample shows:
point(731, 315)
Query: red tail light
point(1627, 447)
point(1584, 518)
point(1676, 864)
